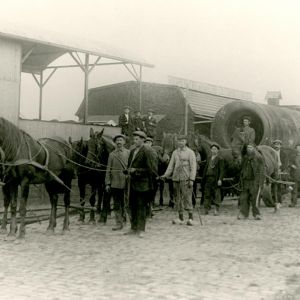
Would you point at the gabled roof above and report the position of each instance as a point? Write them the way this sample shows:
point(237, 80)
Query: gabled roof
point(43, 47)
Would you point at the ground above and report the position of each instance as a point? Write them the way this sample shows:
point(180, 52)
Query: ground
point(223, 259)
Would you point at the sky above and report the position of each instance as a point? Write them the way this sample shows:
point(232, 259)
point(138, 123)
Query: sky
point(247, 45)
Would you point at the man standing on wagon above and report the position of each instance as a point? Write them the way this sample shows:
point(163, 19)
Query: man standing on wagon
point(182, 168)
point(142, 164)
point(115, 179)
point(125, 122)
point(150, 124)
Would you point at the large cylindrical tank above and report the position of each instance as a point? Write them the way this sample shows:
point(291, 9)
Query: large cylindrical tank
point(270, 122)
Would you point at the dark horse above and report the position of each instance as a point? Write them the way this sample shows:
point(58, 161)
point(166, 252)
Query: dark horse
point(92, 157)
point(29, 161)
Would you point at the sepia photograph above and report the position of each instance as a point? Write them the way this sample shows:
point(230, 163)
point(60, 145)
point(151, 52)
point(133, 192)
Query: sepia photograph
point(149, 149)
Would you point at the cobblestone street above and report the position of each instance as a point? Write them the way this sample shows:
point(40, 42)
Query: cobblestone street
point(224, 259)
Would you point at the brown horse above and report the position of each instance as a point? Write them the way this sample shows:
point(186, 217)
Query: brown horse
point(29, 161)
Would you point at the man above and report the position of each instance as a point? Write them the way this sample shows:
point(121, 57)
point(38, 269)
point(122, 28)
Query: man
point(283, 165)
point(295, 176)
point(125, 122)
point(150, 124)
point(115, 179)
point(252, 179)
point(182, 168)
point(152, 192)
point(138, 124)
point(212, 178)
point(244, 135)
point(141, 168)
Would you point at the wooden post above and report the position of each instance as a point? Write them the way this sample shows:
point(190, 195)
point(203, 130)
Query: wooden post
point(141, 74)
point(86, 89)
point(41, 95)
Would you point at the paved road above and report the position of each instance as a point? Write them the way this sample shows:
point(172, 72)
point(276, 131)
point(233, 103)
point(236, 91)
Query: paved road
point(224, 259)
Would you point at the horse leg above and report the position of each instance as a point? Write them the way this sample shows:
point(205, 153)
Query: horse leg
point(13, 211)
point(23, 205)
point(52, 219)
point(171, 193)
point(161, 192)
point(92, 203)
point(7, 197)
point(67, 208)
point(81, 186)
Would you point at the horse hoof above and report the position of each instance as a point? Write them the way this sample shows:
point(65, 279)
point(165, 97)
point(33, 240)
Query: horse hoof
point(92, 222)
point(3, 231)
point(50, 231)
point(10, 238)
point(65, 231)
point(80, 222)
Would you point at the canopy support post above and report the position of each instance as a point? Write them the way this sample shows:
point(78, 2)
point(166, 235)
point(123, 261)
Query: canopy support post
point(140, 86)
point(86, 88)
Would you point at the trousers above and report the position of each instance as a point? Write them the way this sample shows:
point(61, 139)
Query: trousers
point(138, 208)
point(212, 193)
point(183, 196)
point(248, 197)
point(118, 199)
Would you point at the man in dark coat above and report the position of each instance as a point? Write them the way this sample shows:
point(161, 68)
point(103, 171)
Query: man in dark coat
point(142, 165)
point(252, 179)
point(125, 122)
point(150, 124)
point(138, 124)
point(212, 178)
point(295, 175)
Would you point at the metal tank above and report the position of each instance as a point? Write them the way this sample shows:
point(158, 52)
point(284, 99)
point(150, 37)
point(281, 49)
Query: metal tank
point(270, 122)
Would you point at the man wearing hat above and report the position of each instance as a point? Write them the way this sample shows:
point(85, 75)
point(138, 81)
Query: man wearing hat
point(115, 179)
point(150, 124)
point(212, 180)
point(252, 180)
point(282, 169)
point(125, 122)
point(138, 124)
point(141, 168)
point(182, 168)
point(244, 135)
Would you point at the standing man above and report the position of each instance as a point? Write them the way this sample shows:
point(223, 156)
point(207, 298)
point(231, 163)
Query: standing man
point(212, 178)
point(295, 176)
point(141, 168)
point(244, 135)
point(182, 168)
point(252, 178)
point(282, 168)
point(138, 124)
point(115, 179)
point(125, 122)
point(150, 124)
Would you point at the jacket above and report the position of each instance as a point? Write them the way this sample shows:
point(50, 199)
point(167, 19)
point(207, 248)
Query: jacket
point(257, 164)
point(145, 163)
point(126, 125)
point(217, 170)
point(117, 162)
point(183, 165)
point(150, 126)
point(243, 136)
point(138, 124)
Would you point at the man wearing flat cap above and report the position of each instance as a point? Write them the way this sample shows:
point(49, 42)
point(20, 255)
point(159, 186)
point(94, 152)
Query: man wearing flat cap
point(244, 135)
point(115, 179)
point(252, 180)
point(282, 169)
point(182, 168)
point(212, 179)
point(141, 168)
point(125, 122)
point(150, 124)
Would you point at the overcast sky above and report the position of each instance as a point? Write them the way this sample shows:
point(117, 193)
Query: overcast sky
point(242, 44)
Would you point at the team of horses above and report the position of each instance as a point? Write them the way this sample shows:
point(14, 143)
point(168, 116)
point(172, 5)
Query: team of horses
point(55, 162)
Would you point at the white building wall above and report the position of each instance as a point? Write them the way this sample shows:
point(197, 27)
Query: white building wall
point(10, 79)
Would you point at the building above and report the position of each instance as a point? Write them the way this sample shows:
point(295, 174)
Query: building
point(175, 106)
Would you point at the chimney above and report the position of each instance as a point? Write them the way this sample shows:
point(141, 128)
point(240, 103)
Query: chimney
point(273, 98)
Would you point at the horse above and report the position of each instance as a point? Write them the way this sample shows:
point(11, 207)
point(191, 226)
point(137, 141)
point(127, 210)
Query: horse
point(29, 161)
point(99, 147)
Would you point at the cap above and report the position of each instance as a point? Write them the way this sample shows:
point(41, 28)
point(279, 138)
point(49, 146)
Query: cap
point(149, 139)
point(247, 118)
point(119, 135)
point(182, 137)
point(151, 110)
point(127, 107)
point(139, 133)
point(215, 145)
point(251, 144)
point(277, 142)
